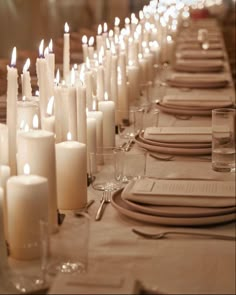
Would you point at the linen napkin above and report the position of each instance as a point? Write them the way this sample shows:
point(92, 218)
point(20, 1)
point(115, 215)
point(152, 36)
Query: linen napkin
point(194, 65)
point(191, 193)
point(200, 54)
point(197, 80)
point(179, 134)
point(203, 101)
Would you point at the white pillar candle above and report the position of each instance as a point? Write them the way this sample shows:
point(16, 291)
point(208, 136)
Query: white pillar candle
point(91, 47)
point(12, 92)
point(81, 114)
point(65, 112)
point(50, 58)
point(26, 110)
point(107, 107)
point(3, 248)
point(27, 204)
point(5, 173)
point(123, 102)
point(98, 115)
point(66, 53)
point(107, 72)
point(99, 38)
point(71, 170)
point(3, 144)
point(142, 69)
point(37, 148)
point(89, 88)
point(91, 140)
point(26, 80)
point(43, 75)
point(100, 81)
point(85, 48)
point(150, 62)
point(134, 82)
point(113, 79)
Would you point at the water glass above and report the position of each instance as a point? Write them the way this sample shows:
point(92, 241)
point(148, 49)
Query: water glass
point(223, 140)
point(106, 168)
point(134, 166)
point(130, 122)
point(69, 246)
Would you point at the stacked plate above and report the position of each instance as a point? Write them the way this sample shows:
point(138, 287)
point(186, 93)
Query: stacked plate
point(200, 54)
point(187, 80)
point(198, 66)
point(193, 104)
point(168, 202)
point(176, 140)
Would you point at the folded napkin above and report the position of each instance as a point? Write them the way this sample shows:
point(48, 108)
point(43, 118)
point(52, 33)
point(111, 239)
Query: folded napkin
point(197, 80)
point(179, 134)
point(195, 65)
point(195, 45)
point(187, 193)
point(203, 101)
point(200, 54)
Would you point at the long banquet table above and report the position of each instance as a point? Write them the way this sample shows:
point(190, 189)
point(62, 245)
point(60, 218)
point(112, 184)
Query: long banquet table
point(177, 265)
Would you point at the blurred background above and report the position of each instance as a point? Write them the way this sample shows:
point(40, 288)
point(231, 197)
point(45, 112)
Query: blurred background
point(23, 23)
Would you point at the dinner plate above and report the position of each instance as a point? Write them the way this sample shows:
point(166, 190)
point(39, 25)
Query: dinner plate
point(173, 150)
point(177, 145)
point(198, 84)
point(184, 111)
point(175, 211)
point(122, 207)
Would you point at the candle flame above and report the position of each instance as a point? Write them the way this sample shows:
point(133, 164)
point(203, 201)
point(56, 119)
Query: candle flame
point(144, 44)
point(72, 76)
point(13, 57)
point(41, 46)
point(50, 46)
point(26, 169)
point(127, 21)
point(117, 21)
point(75, 67)
point(23, 98)
point(100, 29)
point(141, 15)
point(105, 27)
point(105, 96)
point(91, 41)
point(66, 28)
point(36, 93)
point(130, 63)
point(169, 38)
point(69, 136)
point(26, 66)
point(82, 74)
point(84, 39)
point(35, 121)
point(50, 106)
point(26, 128)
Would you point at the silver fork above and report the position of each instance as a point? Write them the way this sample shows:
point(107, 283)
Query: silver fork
point(104, 200)
point(164, 234)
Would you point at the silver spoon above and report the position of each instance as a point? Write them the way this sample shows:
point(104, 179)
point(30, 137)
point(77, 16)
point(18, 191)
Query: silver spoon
point(164, 234)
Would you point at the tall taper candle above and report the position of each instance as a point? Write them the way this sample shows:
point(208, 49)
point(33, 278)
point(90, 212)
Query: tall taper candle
point(12, 92)
point(66, 53)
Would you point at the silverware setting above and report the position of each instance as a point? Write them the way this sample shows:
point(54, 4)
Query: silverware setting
point(161, 235)
point(104, 200)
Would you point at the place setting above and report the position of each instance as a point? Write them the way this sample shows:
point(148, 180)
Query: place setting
point(176, 140)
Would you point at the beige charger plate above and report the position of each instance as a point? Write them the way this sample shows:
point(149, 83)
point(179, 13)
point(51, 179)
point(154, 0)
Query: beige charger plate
point(122, 207)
